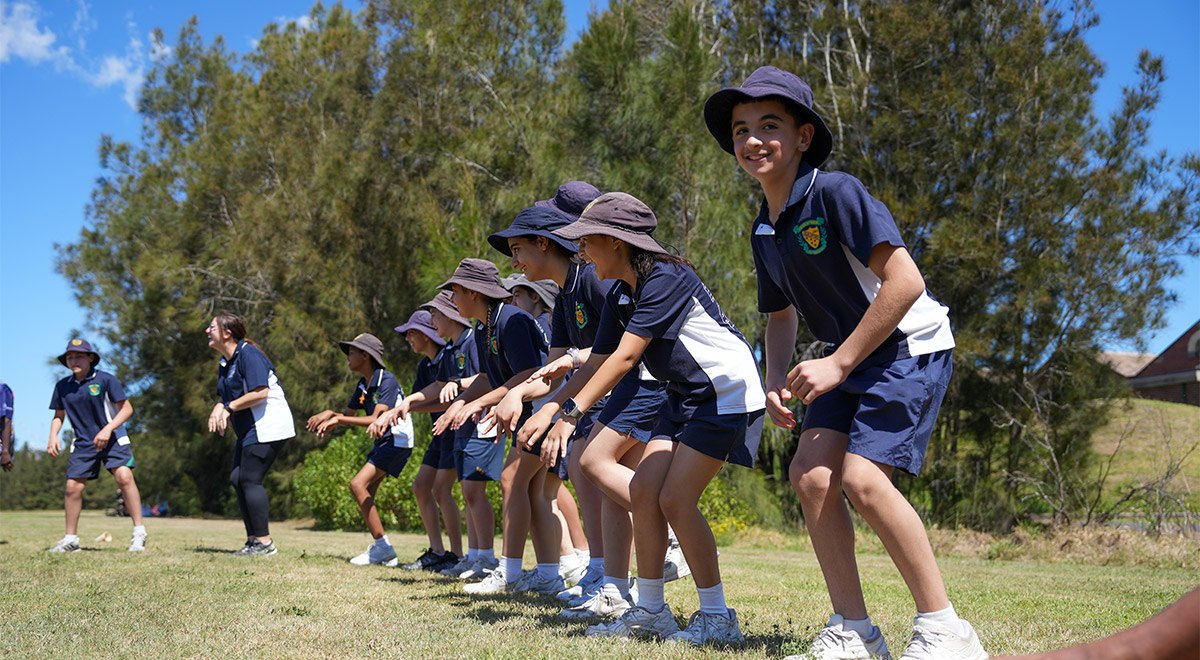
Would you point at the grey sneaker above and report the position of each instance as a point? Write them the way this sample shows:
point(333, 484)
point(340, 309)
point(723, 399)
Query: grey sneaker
point(931, 641)
point(675, 565)
point(257, 549)
point(480, 569)
point(704, 628)
point(494, 583)
point(600, 605)
point(835, 642)
point(458, 568)
point(64, 545)
point(138, 544)
point(532, 582)
point(591, 580)
point(638, 622)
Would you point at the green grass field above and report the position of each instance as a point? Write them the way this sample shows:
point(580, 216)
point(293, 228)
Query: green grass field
point(187, 598)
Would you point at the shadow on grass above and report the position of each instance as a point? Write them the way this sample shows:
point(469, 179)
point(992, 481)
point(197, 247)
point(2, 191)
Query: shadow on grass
point(212, 551)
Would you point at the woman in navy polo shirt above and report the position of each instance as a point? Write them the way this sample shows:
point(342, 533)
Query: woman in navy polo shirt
point(252, 400)
point(376, 392)
point(660, 312)
point(96, 404)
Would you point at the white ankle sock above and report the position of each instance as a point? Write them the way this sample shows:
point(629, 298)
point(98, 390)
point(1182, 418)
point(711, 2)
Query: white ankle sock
point(946, 618)
point(616, 586)
point(71, 538)
point(712, 600)
point(567, 561)
point(650, 594)
point(511, 567)
point(547, 571)
point(139, 530)
point(860, 626)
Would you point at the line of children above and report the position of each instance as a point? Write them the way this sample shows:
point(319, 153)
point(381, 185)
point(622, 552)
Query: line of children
point(376, 392)
point(96, 404)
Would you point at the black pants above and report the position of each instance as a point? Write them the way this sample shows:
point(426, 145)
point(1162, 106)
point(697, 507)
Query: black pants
point(250, 465)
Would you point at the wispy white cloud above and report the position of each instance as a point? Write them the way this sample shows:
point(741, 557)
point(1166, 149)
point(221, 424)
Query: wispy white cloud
point(21, 37)
point(303, 22)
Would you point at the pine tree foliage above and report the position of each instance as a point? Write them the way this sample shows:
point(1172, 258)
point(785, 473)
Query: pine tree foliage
point(326, 182)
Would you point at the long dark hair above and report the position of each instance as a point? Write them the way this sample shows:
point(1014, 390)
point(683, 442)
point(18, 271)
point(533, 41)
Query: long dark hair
point(235, 326)
point(643, 261)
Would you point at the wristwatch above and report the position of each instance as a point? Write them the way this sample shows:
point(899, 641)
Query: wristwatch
point(571, 409)
point(227, 408)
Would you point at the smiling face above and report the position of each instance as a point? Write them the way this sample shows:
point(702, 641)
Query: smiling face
point(469, 303)
point(442, 323)
point(766, 140)
point(216, 336)
point(531, 255)
point(417, 339)
point(79, 363)
point(602, 251)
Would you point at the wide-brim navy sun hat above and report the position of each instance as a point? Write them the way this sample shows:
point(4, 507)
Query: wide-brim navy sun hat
point(422, 321)
point(79, 346)
point(619, 215)
point(768, 82)
point(534, 221)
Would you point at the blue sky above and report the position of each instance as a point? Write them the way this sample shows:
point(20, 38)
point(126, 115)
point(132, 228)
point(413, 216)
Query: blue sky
point(70, 71)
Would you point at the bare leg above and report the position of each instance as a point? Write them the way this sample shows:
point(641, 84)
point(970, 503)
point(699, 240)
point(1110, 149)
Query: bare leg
point(589, 498)
point(570, 512)
point(869, 486)
point(422, 488)
point(550, 494)
point(73, 504)
point(443, 494)
point(129, 490)
point(517, 511)
point(543, 525)
point(363, 486)
point(816, 476)
point(649, 524)
point(603, 465)
point(690, 473)
point(479, 511)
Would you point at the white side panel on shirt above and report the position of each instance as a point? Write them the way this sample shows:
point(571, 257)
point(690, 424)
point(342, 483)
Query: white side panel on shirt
point(273, 417)
point(725, 359)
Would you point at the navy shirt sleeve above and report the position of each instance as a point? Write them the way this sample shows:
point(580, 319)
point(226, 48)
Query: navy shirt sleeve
point(770, 297)
point(389, 391)
point(523, 344)
point(608, 334)
point(664, 299)
point(115, 391)
point(56, 398)
point(358, 400)
point(558, 326)
point(860, 220)
point(254, 367)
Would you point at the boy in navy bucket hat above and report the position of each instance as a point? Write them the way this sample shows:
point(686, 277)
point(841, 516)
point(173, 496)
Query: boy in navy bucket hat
point(96, 404)
point(824, 247)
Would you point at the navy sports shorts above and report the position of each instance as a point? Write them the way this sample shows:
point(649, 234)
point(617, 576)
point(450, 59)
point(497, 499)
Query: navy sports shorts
point(888, 410)
point(84, 461)
point(388, 457)
point(478, 459)
point(439, 455)
point(732, 438)
point(633, 407)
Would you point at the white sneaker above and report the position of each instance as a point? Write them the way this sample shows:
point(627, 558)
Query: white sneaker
point(932, 641)
point(64, 545)
point(704, 628)
point(138, 544)
point(494, 583)
point(638, 622)
point(591, 580)
point(375, 554)
point(675, 565)
point(480, 569)
point(600, 605)
point(834, 642)
point(532, 582)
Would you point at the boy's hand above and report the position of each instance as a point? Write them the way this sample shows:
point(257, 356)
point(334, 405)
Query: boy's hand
point(449, 392)
point(445, 422)
point(316, 420)
point(326, 426)
point(508, 412)
point(102, 438)
point(812, 378)
point(554, 447)
point(382, 423)
point(536, 425)
point(6, 461)
point(780, 414)
point(554, 370)
point(54, 446)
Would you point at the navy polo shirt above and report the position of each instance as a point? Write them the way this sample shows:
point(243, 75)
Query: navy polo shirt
point(246, 370)
point(578, 308)
point(460, 359)
point(427, 373)
point(382, 388)
point(815, 259)
point(90, 404)
point(515, 343)
point(704, 360)
point(6, 401)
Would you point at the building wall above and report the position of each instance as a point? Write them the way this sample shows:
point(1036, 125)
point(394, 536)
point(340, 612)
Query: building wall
point(1180, 393)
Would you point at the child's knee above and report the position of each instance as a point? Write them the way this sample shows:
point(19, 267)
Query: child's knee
point(812, 481)
point(75, 487)
point(673, 506)
point(865, 488)
point(643, 493)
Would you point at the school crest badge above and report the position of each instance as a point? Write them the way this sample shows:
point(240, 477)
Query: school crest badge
point(581, 317)
point(94, 390)
point(76, 342)
point(495, 345)
point(811, 235)
point(461, 360)
point(375, 398)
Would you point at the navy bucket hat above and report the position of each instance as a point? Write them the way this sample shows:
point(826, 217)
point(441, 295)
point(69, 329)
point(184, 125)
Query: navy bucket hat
point(444, 303)
point(79, 346)
point(571, 199)
point(534, 221)
point(478, 275)
point(367, 343)
point(768, 82)
point(619, 215)
point(422, 321)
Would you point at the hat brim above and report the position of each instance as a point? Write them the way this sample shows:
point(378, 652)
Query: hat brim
point(428, 332)
point(499, 240)
point(588, 227)
point(345, 346)
point(486, 288)
point(448, 312)
point(718, 117)
point(62, 359)
point(548, 297)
